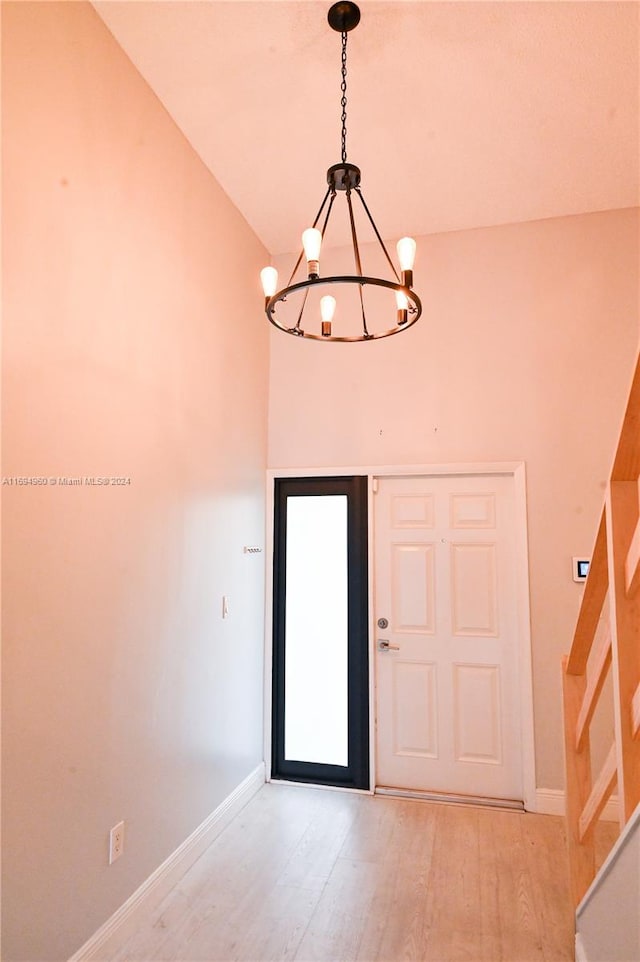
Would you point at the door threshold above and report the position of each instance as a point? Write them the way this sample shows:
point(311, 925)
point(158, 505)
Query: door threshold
point(510, 804)
point(323, 787)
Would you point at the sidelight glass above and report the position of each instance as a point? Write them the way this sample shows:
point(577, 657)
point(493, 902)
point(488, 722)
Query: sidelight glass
point(316, 630)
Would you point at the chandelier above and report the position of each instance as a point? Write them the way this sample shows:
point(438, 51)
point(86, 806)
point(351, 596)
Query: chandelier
point(288, 308)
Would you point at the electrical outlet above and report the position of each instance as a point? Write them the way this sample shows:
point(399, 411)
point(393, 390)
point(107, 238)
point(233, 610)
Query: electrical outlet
point(116, 842)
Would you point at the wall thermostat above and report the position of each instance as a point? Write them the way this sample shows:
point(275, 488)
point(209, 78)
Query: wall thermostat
point(581, 568)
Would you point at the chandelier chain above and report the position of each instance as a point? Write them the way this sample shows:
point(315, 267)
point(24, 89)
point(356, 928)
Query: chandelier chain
point(343, 99)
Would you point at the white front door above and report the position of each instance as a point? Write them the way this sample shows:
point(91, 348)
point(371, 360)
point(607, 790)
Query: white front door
point(447, 689)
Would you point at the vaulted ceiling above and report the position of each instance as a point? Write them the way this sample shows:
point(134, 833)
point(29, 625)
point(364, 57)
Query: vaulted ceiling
point(460, 114)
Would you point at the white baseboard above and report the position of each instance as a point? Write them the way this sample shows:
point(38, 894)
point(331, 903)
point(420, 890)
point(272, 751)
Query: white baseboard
point(580, 953)
point(607, 917)
point(124, 922)
point(550, 801)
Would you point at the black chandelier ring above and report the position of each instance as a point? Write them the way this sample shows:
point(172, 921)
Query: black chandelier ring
point(412, 313)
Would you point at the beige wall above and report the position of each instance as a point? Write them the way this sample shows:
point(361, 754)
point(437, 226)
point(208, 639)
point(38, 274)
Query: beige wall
point(134, 346)
point(524, 352)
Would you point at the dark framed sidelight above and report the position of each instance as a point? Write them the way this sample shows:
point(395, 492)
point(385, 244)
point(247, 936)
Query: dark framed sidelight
point(320, 632)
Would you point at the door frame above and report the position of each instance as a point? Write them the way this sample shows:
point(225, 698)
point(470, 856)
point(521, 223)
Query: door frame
point(515, 469)
point(356, 773)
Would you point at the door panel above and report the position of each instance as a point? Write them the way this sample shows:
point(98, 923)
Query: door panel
point(473, 589)
point(316, 630)
point(447, 712)
point(415, 718)
point(413, 588)
point(476, 713)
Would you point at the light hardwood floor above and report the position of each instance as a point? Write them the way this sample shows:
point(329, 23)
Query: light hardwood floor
point(319, 876)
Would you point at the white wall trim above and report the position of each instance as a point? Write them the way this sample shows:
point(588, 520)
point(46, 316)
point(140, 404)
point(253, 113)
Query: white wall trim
point(517, 470)
point(124, 922)
point(628, 832)
point(525, 653)
point(550, 801)
point(397, 470)
point(373, 755)
point(581, 955)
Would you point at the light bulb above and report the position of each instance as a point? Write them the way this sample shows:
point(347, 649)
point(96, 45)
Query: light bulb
point(269, 278)
point(327, 310)
point(311, 242)
point(406, 248)
point(327, 307)
point(403, 307)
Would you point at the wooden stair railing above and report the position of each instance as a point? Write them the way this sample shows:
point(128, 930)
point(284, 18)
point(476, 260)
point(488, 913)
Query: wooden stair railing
point(612, 594)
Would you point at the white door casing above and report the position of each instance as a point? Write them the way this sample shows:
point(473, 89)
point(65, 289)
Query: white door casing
point(448, 687)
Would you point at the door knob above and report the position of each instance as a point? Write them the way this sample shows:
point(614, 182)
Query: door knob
point(384, 645)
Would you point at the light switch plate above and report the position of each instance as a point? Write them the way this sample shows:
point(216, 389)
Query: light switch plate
point(581, 569)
